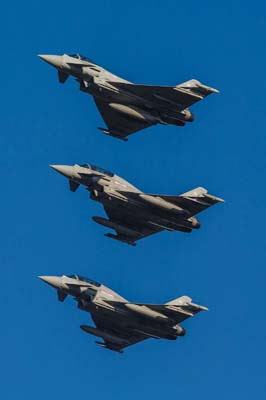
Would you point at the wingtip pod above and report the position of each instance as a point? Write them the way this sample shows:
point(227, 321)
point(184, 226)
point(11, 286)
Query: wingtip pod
point(198, 307)
point(214, 198)
point(207, 88)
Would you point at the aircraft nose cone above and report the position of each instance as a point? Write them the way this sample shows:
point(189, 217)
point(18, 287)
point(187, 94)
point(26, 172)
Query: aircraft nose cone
point(65, 170)
point(54, 281)
point(55, 61)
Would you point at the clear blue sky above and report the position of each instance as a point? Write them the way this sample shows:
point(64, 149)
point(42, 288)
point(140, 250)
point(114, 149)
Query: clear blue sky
point(45, 229)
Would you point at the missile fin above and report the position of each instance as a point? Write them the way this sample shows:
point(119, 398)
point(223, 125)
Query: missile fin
point(114, 134)
point(105, 346)
point(120, 239)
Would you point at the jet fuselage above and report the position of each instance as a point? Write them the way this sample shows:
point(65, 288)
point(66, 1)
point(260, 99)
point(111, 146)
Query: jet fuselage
point(115, 192)
point(118, 316)
point(99, 82)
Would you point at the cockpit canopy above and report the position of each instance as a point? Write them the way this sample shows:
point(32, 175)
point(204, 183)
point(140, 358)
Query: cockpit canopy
point(83, 278)
point(80, 57)
point(97, 169)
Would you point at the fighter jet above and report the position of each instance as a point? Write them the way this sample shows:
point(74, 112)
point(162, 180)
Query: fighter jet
point(119, 322)
point(126, 107)
point(132, 213)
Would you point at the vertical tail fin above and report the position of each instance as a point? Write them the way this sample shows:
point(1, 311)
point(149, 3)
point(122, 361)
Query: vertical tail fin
point(180, 301)
point(197, 88)
point(185, 302)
